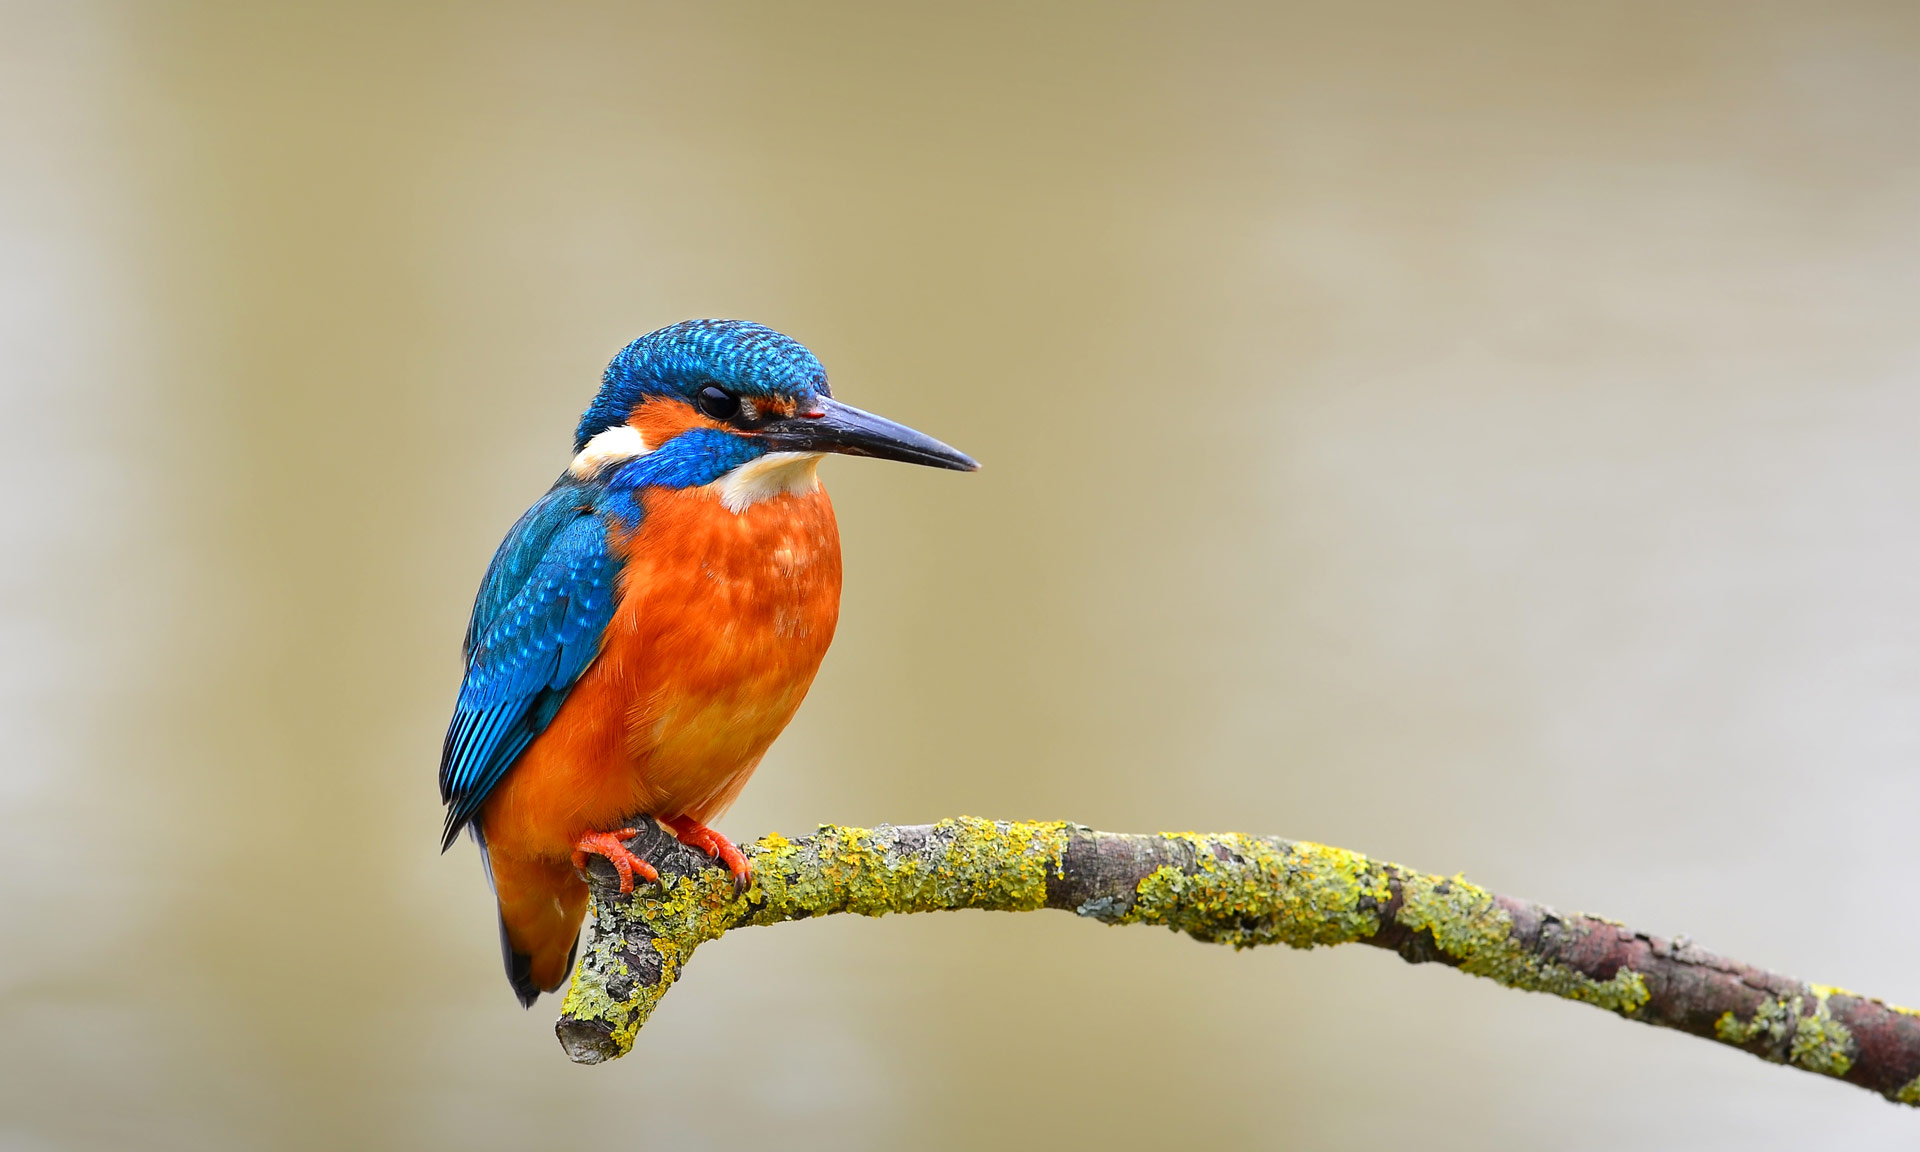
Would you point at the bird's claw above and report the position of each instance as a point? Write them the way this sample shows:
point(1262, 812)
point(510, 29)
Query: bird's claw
point(694, 834)
point(612, 846)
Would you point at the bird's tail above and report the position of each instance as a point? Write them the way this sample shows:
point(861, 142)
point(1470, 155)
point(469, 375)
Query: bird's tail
point(542, 904)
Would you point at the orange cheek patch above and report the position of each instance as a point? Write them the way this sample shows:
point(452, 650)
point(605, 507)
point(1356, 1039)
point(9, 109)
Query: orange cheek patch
point(660, 420)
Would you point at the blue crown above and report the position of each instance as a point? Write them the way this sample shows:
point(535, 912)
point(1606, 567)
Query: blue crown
point(747, 359)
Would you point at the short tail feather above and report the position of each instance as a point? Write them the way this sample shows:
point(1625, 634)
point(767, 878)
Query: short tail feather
point(520, 969)
point(542, 905)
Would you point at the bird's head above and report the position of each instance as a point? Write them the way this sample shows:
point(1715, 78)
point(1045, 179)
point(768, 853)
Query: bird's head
point(704, 398)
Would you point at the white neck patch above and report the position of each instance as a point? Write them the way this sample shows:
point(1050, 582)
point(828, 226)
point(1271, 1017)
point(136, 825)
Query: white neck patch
point(774, 474)
point(620, 442)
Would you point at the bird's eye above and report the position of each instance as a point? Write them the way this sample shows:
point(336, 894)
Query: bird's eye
point(719, 403)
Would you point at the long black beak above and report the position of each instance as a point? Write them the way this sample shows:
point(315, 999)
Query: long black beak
point(831, 426)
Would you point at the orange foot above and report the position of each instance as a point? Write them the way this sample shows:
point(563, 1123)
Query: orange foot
point(609, 844)
point(694, 834)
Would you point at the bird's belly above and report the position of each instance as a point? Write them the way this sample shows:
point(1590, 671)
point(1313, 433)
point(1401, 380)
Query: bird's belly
point(723, 621)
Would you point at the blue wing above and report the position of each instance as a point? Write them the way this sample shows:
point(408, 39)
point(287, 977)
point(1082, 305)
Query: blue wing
point(536, 625)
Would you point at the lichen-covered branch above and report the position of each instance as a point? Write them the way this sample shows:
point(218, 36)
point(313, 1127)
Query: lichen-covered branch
point(1224, 889)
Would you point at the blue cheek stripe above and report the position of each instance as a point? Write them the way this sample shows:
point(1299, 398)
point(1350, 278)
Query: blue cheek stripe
point(696, 457)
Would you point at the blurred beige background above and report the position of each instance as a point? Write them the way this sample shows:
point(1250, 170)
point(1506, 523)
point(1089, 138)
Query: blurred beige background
point(1479, 435)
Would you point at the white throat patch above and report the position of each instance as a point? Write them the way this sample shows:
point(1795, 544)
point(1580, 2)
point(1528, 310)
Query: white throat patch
point(620, 442)
point(771, 475)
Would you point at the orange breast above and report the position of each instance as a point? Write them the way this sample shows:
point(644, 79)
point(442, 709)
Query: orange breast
point(722, 623)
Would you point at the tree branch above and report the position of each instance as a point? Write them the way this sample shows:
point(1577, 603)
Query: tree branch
point(1223, 889)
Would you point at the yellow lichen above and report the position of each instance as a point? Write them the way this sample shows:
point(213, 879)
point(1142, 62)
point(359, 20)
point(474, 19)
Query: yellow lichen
point(1246, 891)
point(1810, 1039)
point(688, 912)
point(1469, 926)
point(1821, 1043)
point(963, 863)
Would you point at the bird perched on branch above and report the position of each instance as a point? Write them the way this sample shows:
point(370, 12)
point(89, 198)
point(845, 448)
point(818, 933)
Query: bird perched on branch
point(651, 624)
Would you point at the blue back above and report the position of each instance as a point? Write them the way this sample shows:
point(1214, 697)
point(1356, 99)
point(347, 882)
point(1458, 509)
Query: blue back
point(536, 625)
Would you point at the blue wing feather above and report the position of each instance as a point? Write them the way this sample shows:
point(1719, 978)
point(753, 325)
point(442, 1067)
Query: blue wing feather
point(536, 625)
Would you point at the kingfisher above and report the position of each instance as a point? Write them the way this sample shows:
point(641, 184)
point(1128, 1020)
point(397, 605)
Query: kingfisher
point(650, 625)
